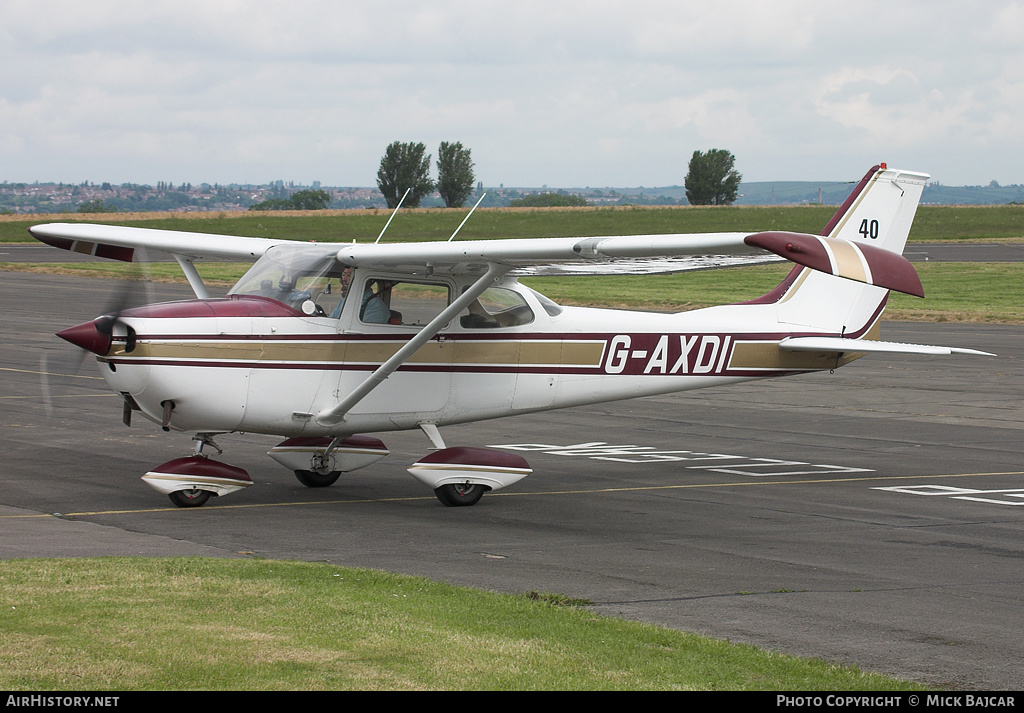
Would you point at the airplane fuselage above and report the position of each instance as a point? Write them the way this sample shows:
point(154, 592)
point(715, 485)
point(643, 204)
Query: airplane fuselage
point(252, 364)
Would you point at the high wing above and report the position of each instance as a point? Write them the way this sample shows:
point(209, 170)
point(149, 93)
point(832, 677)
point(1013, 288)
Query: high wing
point(620, 254)
point(120, 242)
point(650, 253)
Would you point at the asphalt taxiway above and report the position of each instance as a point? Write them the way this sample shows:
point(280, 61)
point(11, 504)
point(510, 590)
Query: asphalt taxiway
point(872, 516)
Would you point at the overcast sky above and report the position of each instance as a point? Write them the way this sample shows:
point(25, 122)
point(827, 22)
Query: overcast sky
point(556, 92)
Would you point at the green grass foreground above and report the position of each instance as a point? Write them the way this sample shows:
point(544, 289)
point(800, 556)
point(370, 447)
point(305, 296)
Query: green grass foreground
point(185, 624)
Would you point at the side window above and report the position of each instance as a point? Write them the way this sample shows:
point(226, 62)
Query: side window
point(497, 307)
point(409, 303)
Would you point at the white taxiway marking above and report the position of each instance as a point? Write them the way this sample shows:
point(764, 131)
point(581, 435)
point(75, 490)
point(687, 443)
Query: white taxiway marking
point(715, 462)
point(1009, 496)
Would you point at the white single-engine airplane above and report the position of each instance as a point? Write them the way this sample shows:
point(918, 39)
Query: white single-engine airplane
point(322, 343)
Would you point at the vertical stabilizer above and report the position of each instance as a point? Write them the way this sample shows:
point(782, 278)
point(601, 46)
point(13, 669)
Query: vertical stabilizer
point(879, 212)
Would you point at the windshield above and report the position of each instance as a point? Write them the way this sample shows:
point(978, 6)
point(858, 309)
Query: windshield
point(297, 275)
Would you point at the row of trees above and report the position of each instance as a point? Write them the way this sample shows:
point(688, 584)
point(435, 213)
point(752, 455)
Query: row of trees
point(711, 178)
point(406, 166)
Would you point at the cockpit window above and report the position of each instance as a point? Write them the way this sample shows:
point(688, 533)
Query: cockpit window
point(497, 307)
point(307, 279)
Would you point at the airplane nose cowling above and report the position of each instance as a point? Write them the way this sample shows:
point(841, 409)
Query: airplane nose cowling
point(94, 336)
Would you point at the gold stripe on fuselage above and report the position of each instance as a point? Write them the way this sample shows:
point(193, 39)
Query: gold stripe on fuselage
point(768, 357)
point(555, 352)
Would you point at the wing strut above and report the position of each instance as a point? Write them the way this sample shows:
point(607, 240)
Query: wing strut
point(192, 275)
point(335, 415)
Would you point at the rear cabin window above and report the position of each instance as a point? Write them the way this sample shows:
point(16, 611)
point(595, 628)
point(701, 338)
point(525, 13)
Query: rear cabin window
point(496, 307)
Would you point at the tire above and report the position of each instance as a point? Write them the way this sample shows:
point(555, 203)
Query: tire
point(190, 498)
point(460, 494)
point(312, 479)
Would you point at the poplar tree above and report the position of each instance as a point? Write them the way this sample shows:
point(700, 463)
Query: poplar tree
point(405, 166)
point(454, 174)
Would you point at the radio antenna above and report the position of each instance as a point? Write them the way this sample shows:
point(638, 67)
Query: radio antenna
point(466, 218)
point(392, 216)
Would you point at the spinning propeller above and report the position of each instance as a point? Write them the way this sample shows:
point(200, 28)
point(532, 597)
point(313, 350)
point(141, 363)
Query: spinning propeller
point(96, 335)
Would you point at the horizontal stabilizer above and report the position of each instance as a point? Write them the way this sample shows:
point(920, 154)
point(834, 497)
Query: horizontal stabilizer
point(851, 346)
point(844, 258)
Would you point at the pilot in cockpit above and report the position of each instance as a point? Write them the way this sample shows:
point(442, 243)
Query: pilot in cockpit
point(373, 309)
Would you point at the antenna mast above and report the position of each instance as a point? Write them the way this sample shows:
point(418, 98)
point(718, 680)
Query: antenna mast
point(392, 216)
point(466, 218)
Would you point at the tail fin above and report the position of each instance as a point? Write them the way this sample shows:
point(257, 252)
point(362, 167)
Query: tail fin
point(880, 210)
point(877, 214)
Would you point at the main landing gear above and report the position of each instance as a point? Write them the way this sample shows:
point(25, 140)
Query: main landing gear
point(459, 477)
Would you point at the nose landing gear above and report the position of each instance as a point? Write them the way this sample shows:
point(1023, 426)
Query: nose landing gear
point(189, 482)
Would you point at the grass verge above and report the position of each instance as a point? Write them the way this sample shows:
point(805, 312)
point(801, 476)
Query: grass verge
point(955, 292)
point(931, 224)
point(185, 624)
